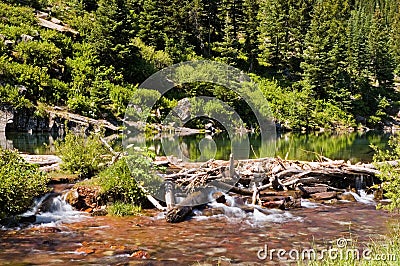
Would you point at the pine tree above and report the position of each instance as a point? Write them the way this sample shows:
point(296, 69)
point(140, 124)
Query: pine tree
point(395, 36)
point(325, 63)
point(358, 31)
point(250, 32)
point(381, 61)
point(112, 31)
point(151, 21)
point(230, 13)
point(283, 26)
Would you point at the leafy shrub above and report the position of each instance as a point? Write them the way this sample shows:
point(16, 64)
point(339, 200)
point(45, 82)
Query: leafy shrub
point(119, 181)
point(142, 101)
point(380, 114)
point(35, 79)
point(20, 183)
point(84, 156)
point(82, 105)
point(390, 175)
point(120, 97)
point(329, 115)
point(123, 209)
point(10, 95)
point(38, 53)
point(159, 59)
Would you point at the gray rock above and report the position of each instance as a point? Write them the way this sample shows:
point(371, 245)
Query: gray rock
point(9, 43)
point(324, 195)
point(306, 191)
point(26, 38)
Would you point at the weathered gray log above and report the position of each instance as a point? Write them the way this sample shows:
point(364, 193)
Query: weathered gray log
point(178, 214)
point(152, 199)
point(183, 209)
point(169, 194)
point(82, 120)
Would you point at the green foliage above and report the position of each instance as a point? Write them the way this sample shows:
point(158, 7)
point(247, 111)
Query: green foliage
point(120, 181)
point(40, 54)
point(380, 114)
point(120, 97)
point(20, 183)
point(329, 115)
point(123, 209)
point(83, 105)
point(333, 55)
point(389, 174)
point(159, 59)
point(142, 101)
point(81, 155)
point(10, 95)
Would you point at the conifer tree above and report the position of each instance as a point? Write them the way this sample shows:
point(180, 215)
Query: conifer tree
point(381, 62)
point(325, 62)
point(230, 13)
point(395, 36)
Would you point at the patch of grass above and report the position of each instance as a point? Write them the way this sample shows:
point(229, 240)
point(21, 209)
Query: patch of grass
point(123, 209)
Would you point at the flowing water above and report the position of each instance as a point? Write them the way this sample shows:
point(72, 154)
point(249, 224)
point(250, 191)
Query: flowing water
point(64, 236)
point(225, 236)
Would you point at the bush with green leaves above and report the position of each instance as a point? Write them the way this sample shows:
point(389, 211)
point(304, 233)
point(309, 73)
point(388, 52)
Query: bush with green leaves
point(82, 155)
point(389, 173)
point(37, 53)
point(121, 181)
point(20, 183)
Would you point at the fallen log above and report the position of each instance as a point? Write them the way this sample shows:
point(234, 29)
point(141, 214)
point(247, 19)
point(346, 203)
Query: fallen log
point(180, 211)
point(82, 120)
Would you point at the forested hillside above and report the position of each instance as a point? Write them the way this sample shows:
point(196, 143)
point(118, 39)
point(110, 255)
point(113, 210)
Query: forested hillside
point(320, 63)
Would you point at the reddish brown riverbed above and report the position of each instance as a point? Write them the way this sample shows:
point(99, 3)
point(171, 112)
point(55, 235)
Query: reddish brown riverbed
point(111, 240)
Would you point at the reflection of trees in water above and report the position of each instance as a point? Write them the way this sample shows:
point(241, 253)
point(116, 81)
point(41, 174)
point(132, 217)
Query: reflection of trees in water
point(37, 143)
point(348, 146)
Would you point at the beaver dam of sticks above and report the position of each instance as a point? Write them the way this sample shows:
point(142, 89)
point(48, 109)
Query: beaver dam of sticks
point(264, 183)
point(256, 184)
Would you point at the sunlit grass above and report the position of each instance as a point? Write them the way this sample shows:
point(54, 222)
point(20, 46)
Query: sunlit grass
point(123, 209)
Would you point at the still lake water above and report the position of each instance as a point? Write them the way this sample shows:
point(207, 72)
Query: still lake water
point(354, 146)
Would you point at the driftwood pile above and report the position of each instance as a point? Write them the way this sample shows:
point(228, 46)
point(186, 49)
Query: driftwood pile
point(269, 182)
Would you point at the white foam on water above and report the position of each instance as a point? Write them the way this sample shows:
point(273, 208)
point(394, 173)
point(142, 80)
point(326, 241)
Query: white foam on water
point(274, 217)
point(308, 204)
point(58, 212)
point(363, 197)
point(265, 216)
point(257, 217)
point(229, 211)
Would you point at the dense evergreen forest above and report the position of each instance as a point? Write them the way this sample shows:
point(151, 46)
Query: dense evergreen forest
point(320, 63)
